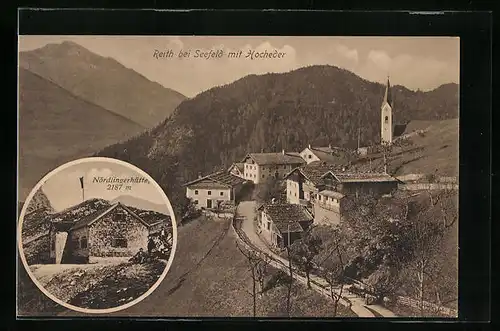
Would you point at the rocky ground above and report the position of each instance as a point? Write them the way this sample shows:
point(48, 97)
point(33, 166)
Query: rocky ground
point(97, 286)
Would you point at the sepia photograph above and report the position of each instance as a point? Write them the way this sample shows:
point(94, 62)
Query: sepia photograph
point(95, 236)
point(309, 176)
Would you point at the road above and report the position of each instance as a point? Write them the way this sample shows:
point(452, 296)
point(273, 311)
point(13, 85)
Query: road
point(246, 211)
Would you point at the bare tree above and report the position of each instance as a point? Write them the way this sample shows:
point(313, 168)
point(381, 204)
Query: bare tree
point(388, 150)
point(290, 282)
point(253, 260)
point(304, 251)
point(261, 270)
point(424, 236)
point(333, 269)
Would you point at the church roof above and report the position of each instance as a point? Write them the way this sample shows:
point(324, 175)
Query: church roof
point(387, 95)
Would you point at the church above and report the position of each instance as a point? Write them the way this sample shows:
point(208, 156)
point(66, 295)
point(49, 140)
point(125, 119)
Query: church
point(386, 127)
point(386, 120)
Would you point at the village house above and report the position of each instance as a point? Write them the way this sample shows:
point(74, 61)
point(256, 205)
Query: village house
point(210, 191)
point(303, 182)
point(260, 167)
point(322, 188)
point(237, 169)
point(357, 183)
point(305, 186)
point(327, 154)
point(282, 224)
point(109, 231)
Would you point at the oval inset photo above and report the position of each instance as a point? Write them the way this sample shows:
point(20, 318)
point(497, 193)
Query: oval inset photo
point(97, 235)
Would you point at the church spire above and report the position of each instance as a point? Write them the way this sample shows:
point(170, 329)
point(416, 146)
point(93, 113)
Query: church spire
point(387, 95)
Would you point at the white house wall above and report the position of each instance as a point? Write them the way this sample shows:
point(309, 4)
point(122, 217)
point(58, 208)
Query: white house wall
point(200, 196)
point(292, 191)
point(308, 156)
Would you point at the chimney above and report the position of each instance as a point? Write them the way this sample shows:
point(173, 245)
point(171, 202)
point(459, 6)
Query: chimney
point(330, 146)
point(199, 175)
point(283, 151)
point(309, 146)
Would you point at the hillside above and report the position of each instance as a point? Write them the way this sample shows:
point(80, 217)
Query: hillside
point(56, 126)
point(102, 81)
point(195, 286)
point(434, 150)
point(315, 105)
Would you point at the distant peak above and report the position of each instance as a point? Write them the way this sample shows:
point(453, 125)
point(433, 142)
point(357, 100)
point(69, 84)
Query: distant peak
point(64, 47)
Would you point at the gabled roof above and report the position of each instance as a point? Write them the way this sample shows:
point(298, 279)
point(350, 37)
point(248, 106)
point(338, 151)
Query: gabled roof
point(287, 217)
point(275, 158)
point(314, 171)
point(84, 208)
point(238, 165)
point(223, 178)
point(92, 218)
point(329, 154)
point(361, 177)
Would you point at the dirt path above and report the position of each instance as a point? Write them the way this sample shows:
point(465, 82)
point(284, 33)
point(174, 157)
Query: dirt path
point(246, 211)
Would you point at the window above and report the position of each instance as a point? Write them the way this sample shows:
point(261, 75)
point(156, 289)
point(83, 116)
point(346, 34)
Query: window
point(268, 225)
point(309, 156)
point(53, 245)
point(263, 168)
point(386, 119)
point(262, 175)
point(119, 216)
point(221, 193)
point(83, 242)
point(195, 192)
point(196, 201)
point(209, 192)
point(119, 242)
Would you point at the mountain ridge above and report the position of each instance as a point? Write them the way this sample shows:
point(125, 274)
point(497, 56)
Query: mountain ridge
point(55, 127)
point(317, 105)
point(103, 81)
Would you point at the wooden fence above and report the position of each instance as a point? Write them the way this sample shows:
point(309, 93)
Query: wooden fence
point(428, 186)
point(428, 306)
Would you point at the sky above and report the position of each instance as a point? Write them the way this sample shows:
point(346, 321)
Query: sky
point(416, 62)
point(63, 189)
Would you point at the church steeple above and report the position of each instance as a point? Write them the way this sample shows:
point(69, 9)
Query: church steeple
point(386, 114)
point(387, 95)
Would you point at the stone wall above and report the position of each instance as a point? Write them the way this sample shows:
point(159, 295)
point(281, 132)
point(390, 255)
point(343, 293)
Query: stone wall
point(37, 251)
point(103, 232)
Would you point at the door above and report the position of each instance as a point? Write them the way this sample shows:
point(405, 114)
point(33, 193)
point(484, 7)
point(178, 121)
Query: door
point(209, 203)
